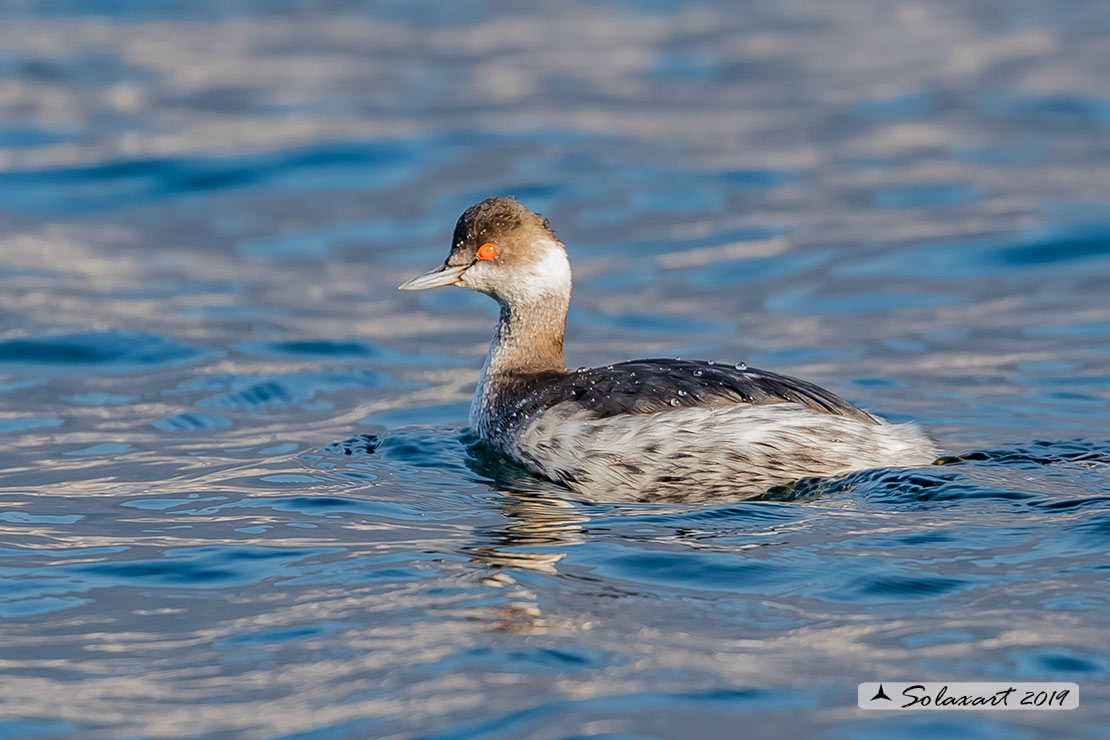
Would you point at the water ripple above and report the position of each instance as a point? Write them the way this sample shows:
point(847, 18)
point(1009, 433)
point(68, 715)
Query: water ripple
point(113, 351)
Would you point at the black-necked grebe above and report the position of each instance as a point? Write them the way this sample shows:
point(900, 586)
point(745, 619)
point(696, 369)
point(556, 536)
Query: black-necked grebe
point(654, 429)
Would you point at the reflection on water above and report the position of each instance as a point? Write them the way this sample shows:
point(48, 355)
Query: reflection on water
point(536, 537)
point(205, 209)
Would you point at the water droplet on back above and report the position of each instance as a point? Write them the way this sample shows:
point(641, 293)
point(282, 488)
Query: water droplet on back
point(682, 393)
point(698, 373)
point(676, 402)
point(741, 366)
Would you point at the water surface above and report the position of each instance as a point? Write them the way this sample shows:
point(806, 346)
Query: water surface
point(205, 210)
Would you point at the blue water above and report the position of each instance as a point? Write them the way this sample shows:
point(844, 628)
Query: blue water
point(237, 498)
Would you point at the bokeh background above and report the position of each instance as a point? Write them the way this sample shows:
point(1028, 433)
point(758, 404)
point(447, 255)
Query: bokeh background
point(205, 208)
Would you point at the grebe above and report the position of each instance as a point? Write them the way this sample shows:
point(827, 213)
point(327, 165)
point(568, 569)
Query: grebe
point(655, 429)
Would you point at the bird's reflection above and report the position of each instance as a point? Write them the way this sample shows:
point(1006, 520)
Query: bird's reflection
point(541, 523)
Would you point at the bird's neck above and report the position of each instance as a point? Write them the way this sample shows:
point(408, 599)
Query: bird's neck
point(528, 340)
point(529, 337)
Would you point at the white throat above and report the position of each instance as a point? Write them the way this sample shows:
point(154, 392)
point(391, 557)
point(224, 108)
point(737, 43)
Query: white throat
point(529, 335)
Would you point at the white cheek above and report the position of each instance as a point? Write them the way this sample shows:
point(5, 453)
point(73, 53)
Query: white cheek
point(551, 274)
point(476, 277)
point(547, 276)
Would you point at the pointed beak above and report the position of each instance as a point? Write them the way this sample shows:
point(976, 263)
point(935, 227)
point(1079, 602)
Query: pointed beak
point(445, 275)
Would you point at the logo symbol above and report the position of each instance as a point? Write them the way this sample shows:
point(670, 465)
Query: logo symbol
point(880, 694)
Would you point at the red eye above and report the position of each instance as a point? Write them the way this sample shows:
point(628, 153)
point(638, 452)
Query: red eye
point(487, 251)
